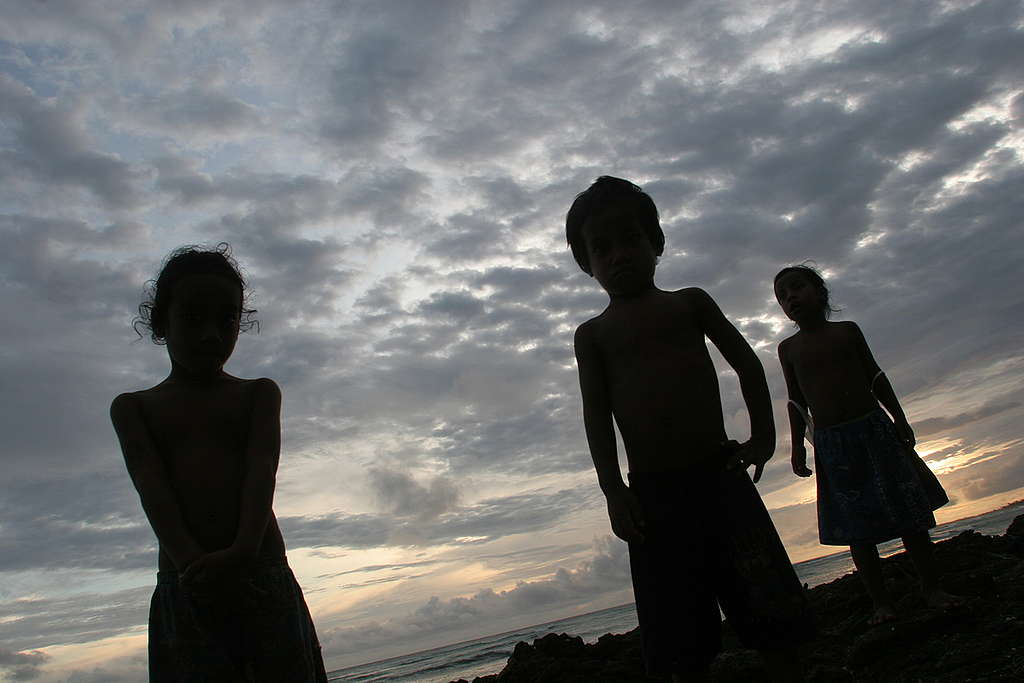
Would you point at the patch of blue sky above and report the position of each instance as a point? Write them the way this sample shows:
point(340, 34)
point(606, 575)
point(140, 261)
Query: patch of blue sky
point(128, 147)
point(232, 156)
point(30, 65)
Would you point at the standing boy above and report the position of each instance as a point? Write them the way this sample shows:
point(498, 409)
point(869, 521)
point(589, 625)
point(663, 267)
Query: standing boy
point(699, 535)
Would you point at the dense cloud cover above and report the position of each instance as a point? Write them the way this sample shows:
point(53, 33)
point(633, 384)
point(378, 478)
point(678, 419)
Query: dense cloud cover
point(393, 177)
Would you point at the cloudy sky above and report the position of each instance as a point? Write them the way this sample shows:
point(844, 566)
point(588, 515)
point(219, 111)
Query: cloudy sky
point(393, 177)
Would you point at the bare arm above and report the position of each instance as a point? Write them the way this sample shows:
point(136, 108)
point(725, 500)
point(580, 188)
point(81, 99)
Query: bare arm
point(623, 509)
point(150, 479)
point(262, 453)
point(737, 352)
point(882, 388)
point(597, 412)
point(261, 458)
point(797, 425)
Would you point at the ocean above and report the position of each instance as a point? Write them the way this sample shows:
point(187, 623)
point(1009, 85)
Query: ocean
point(488, 654)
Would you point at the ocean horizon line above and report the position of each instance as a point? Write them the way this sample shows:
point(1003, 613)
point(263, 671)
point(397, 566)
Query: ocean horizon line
point(886, 549)
point(469, 641)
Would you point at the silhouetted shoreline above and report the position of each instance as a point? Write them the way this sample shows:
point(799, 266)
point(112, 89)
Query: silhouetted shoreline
point(981, 641)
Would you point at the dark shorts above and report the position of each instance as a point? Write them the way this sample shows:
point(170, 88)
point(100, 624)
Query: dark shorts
point(871, 487)
point(251, 630)
point(709, 541)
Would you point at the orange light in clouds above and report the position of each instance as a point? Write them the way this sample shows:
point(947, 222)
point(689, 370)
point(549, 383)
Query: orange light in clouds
point(119, 654)
point(959, 457)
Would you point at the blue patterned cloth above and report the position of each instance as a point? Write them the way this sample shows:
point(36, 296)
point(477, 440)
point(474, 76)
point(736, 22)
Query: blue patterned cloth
point(871, 487)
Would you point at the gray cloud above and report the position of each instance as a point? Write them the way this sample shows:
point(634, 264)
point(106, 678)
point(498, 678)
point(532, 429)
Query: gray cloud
point(402, 495)
point(123, 670)
point(991, 476)
point(420, 524)
point(605, 572)
point(940, 424)
point(22, 666)
point(381, 567)
point(198, 110)
point(53, 146)
point(53, 525)
point(394, 180)
point(74, 619)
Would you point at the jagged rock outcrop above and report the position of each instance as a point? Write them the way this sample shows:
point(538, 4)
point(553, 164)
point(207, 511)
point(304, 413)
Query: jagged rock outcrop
point(980, 641)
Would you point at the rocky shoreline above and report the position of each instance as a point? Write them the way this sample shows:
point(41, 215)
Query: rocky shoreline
point(983, 640)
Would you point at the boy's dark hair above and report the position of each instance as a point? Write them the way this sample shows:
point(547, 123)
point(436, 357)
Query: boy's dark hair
point(189, 260)
point(812, 274)
point(604, 193)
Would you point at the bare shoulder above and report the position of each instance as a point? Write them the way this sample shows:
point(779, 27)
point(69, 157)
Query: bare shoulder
point(791, 350)
point(122, 405)
point(128, 416)
point(259, 384)
point(586, 333)
point(693, 295)
point(786, 345)
point(700, 309)
point(847, 328)
point(262, 387)
point(696, 301)
point(259, 392)
point(126, 405)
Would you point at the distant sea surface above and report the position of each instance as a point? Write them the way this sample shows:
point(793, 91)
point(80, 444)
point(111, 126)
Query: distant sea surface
point(488, 655)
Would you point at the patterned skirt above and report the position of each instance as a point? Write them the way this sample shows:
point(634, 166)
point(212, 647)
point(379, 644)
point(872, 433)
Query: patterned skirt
point(871, 487)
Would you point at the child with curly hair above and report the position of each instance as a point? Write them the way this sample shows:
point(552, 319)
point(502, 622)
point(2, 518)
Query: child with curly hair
point(202, 449)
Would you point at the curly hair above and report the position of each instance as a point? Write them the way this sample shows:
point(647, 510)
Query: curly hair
point(604, 193)
point(808, 270)
point(191, 259)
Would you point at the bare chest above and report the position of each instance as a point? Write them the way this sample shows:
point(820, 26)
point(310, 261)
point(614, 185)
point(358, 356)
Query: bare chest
point(646, 336)
point(825, 360)
point(199, 432)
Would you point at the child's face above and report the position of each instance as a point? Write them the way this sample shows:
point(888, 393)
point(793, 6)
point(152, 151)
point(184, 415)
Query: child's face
point(622, 258)
point(799, 297)
point(202, 323)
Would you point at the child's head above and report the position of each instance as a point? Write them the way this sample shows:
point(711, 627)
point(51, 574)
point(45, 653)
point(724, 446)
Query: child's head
point(802, 293)
point(196, 305)
point(605, 195)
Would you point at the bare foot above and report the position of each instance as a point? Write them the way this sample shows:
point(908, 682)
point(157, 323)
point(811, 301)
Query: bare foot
point(882, 615)
point(940, 599)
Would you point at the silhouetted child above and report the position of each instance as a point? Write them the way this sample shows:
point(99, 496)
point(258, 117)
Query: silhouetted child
point(699, 535)
point(202, 449)
point(872, 487)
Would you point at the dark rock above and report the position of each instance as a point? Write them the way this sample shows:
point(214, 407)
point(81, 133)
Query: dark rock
point(981, 640)
point(1015, 533)
point(567, 659)
point(1016, 527)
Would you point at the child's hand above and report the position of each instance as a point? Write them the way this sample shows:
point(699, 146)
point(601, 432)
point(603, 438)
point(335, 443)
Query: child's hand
point(212, 567)
point(905, 433)
point(625, 515)
point(754, 452)
point(799, 462)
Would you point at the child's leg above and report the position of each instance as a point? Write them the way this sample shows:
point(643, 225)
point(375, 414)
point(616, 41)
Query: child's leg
point(919, 547)
point(869, 566)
